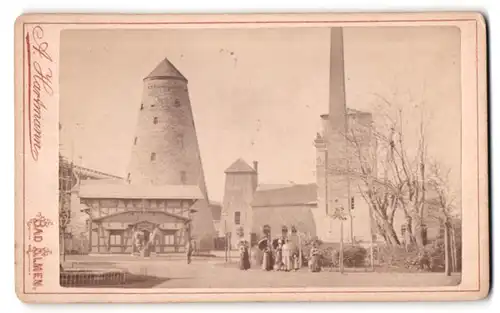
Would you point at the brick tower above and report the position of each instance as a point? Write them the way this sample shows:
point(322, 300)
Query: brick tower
point(334, 157)
point(335, 128)
point(165, 149)
point(331, 156)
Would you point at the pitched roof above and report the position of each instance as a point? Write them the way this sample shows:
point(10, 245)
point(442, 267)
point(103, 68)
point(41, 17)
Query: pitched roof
point(349, 111)
point(299, 216)
point(165, 69)
point(303, 194)
point(85, 171)
point(240, 166)
point(262, 187)
point(93, 189)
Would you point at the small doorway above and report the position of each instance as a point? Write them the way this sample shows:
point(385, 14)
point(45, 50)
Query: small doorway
point(147, 234)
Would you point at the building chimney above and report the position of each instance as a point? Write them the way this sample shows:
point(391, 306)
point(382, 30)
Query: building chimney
point(255, 178)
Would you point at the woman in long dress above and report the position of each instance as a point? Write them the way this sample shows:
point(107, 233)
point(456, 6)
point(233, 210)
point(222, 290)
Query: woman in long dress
point(287, 256)
point(314, 259)
point(278, 264)
point(265, 247)
point(267, 264)
point(244, 257)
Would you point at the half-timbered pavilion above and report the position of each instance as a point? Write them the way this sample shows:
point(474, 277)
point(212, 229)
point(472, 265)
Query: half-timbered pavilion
point(118, 210)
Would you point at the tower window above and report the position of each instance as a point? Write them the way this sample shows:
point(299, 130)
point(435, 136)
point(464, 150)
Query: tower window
point(128, 177)
point(237, 218)
point(177, 103)
point(153, 156)
point(183, 177)
point(180, 139)
point(142, 106)
point(155, 120)
point(135, 140)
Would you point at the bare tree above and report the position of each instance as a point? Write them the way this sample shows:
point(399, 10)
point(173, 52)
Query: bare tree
point(378, 189)
point(389, 171)
point(409, 174)
point(444, 202)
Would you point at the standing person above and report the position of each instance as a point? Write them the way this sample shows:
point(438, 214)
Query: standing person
point(244, 256)
point(278, 264)
point(287, 256)
point(295, 261)
point(314, 259)
point(189, 251)
point(265, 247)
point(267, 260)
point(295, 256)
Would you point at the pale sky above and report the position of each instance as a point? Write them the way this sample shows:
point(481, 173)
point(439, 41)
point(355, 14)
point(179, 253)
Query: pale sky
point(255, 93)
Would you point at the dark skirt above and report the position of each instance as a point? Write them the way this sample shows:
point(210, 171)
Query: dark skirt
point(244, 261)
point(267, 261)
point(314, 264)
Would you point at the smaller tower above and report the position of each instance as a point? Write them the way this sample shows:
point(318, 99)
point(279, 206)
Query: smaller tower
point(241, 183)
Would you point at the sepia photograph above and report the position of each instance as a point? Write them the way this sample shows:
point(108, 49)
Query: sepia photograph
point(260, 157)
point(251, 158)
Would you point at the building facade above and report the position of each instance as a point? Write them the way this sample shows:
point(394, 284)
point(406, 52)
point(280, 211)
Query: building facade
point(279, 206)
point(337, 187)
point(118, 212)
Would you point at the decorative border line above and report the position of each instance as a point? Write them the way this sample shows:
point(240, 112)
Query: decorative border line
point(250, 22)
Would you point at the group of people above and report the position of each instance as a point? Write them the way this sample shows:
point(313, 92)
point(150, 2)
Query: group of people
point(281, 254)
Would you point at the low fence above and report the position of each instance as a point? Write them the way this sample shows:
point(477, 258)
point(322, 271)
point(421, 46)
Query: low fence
point(89, 278)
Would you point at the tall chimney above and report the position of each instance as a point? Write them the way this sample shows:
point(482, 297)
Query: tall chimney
point(255, 178)
point(336, 143)
point(337, 109)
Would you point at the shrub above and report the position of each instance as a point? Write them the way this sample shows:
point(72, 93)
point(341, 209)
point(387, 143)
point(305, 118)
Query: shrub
point(354, 256)
point(431, 258)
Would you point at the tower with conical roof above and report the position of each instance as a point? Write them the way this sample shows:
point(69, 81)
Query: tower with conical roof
point(165, 147)
point(241, 182)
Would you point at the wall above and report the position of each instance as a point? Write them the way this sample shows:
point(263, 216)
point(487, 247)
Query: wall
point(301, 216)
point(173, 139)
point(238, 196)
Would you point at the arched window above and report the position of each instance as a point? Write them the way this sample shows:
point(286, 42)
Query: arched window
point(153, 156)
point(135, 140)
point(237, 218)
point(155, 120)
point(142, 106)
point(180, 139)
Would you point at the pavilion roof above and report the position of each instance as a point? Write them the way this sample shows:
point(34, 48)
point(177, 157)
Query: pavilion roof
point(93, 189)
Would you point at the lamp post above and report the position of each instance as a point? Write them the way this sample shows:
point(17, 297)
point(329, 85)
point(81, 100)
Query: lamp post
point(339, 214)
point(224, 215)
point(225, 239)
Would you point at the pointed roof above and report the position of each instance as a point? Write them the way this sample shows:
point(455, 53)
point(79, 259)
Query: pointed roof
point(299, 194)
point(240, 166)
point(165, 69)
